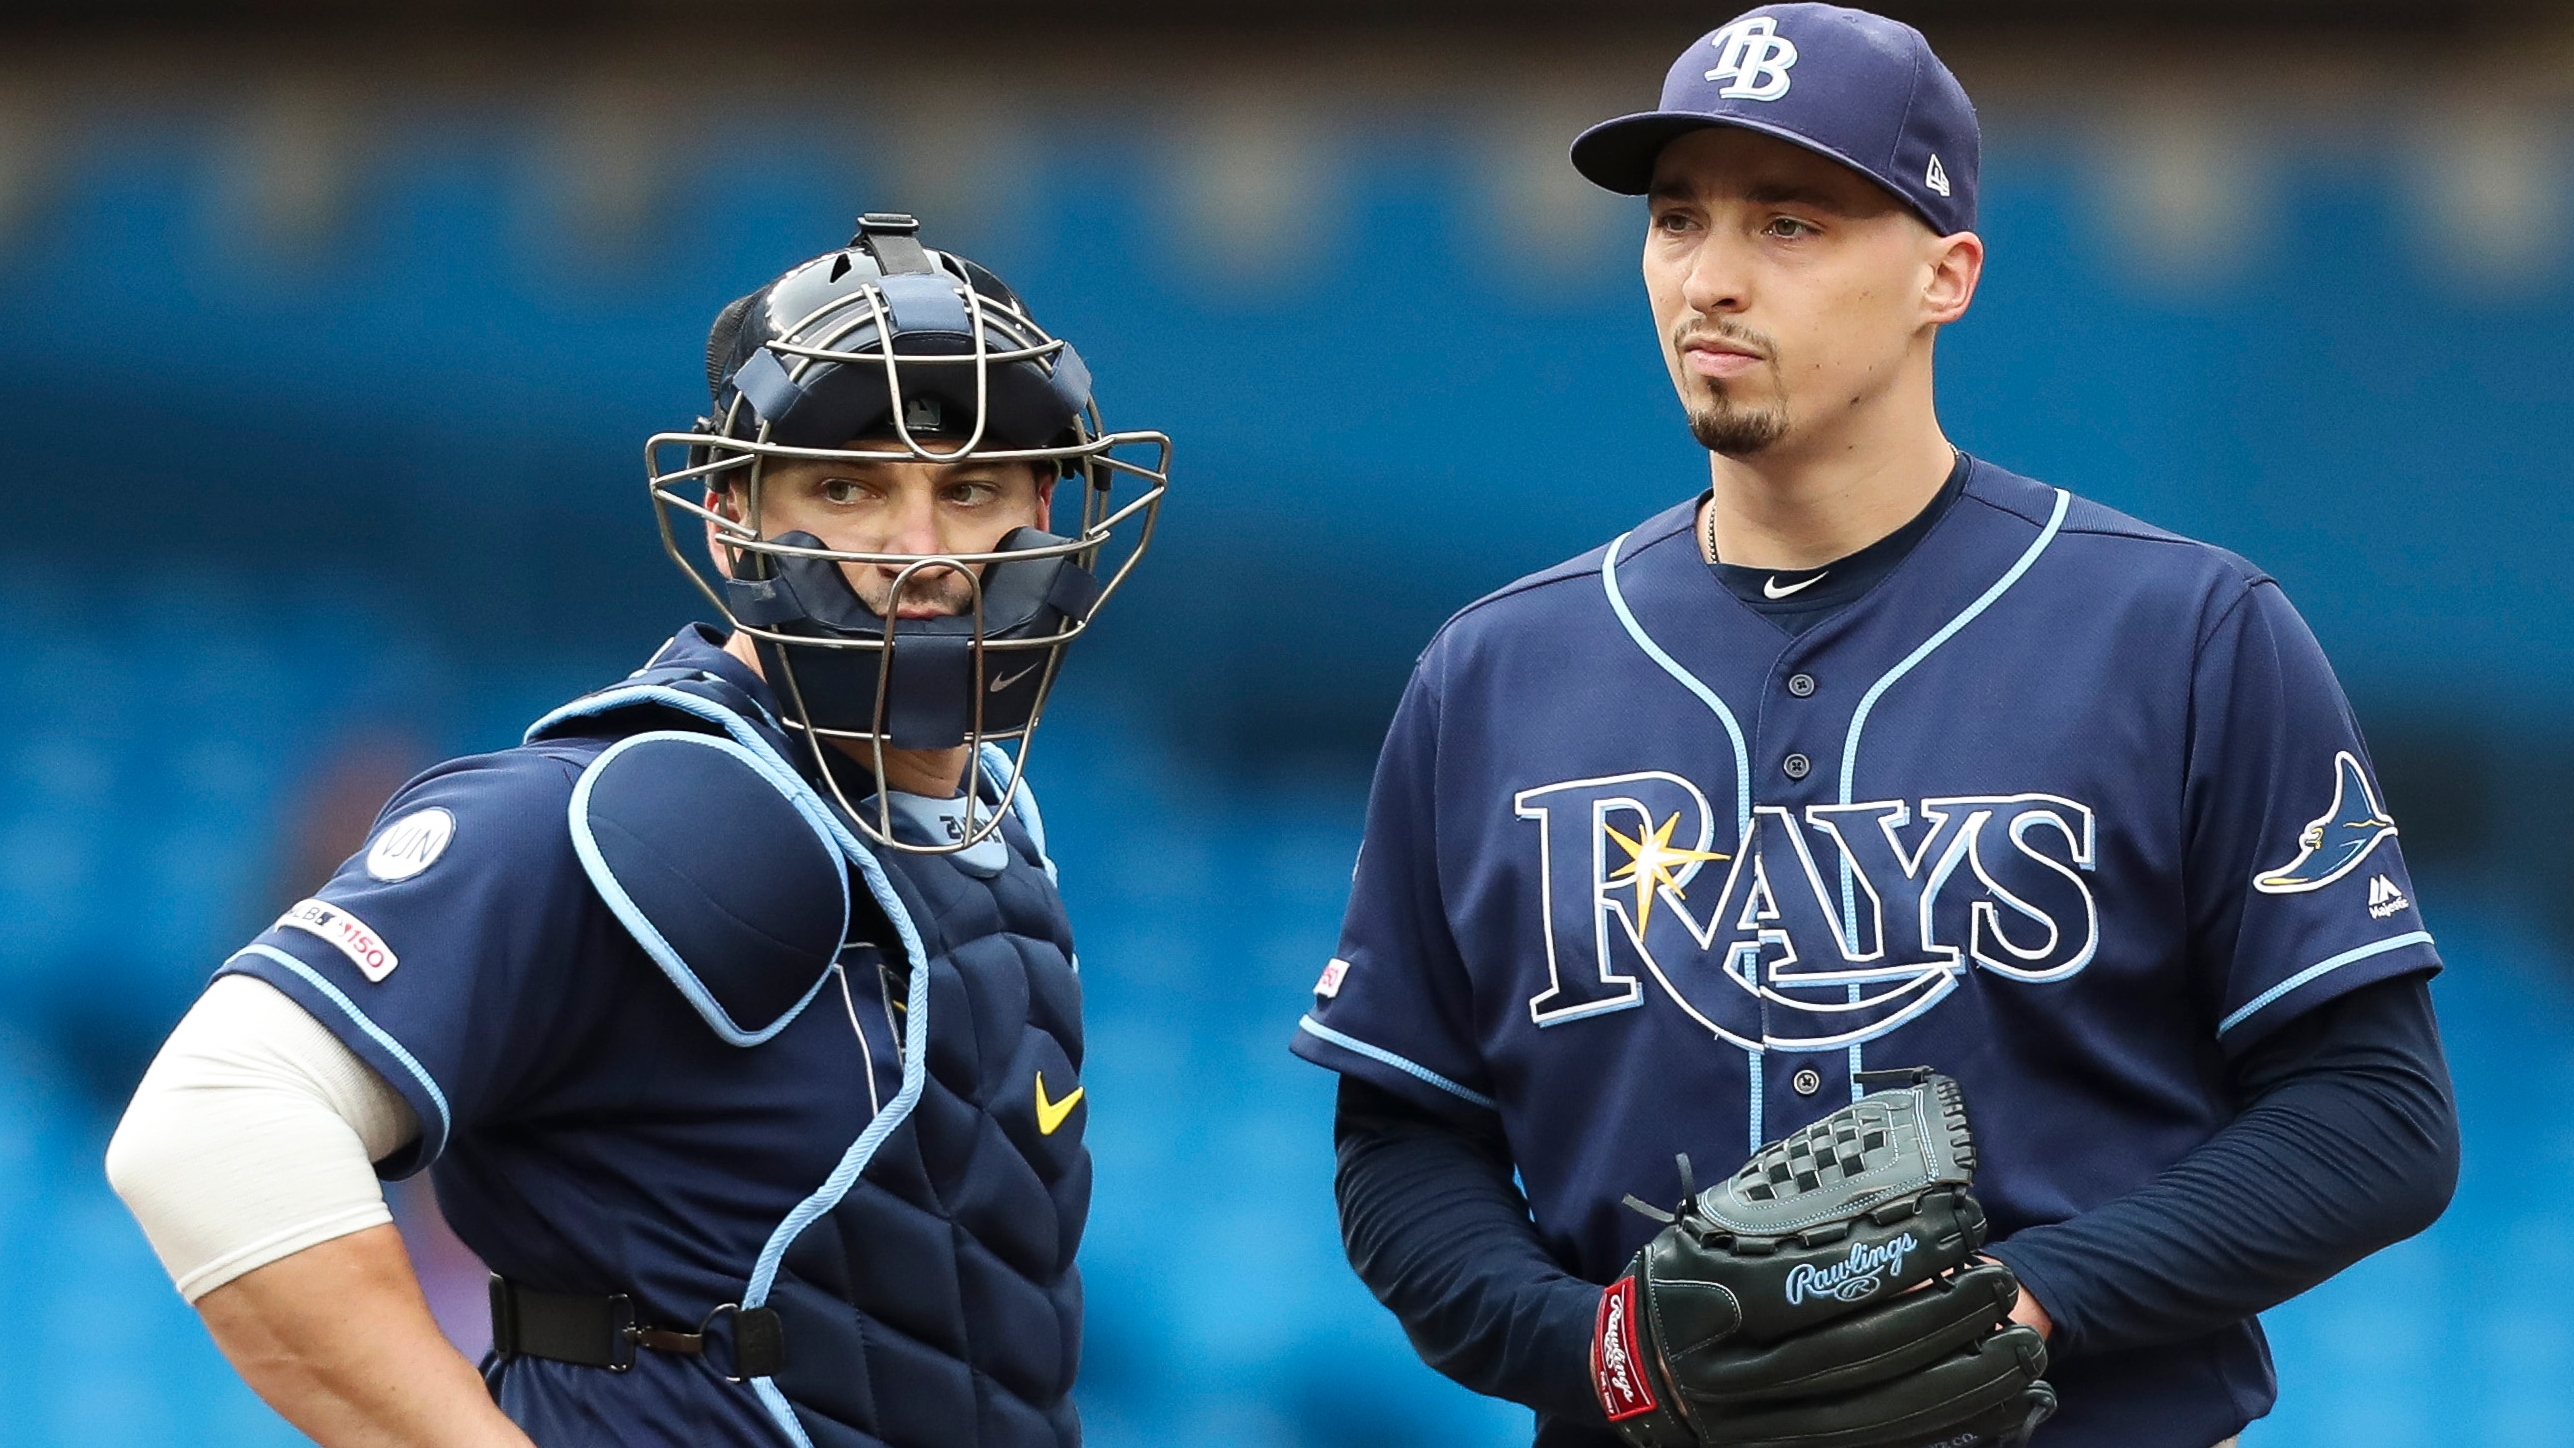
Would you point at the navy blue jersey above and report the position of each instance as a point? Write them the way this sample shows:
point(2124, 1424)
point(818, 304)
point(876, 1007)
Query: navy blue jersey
point(591, 1134)
point(2066, 806)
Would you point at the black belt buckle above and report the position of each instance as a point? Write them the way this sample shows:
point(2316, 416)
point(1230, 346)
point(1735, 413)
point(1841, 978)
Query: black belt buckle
point(602, 1332)
point(571, 1327)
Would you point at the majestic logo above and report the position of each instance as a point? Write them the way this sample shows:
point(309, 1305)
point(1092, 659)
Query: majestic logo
point(1770, 586)
point(1051, 1114)
point(2337, 840)
point(1752, 58)
point(347, 934)
point(1799, 947)
point(1869, 1266)
point(1623, 1389)
point(410, 844)
point(1936, 178)
point(2385, 899)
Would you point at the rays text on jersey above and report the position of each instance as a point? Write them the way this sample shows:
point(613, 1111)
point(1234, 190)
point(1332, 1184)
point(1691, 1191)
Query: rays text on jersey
point(1827, 927)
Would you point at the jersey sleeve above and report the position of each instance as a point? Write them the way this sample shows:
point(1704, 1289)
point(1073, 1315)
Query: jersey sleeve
point(1393, 1005)
point(2298, 892)
point(447, 952)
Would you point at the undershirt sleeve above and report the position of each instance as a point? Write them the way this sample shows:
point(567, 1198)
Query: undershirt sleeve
point(1438, 1230)
point(2347, 1143)
point(251, 1138)
point(463, 950)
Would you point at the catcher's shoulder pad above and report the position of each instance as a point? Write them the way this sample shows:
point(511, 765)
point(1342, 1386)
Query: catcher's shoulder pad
point(723, 867)
point(1886, 1147)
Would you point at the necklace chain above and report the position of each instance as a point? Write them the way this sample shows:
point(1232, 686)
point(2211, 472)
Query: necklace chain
point(1707, 534)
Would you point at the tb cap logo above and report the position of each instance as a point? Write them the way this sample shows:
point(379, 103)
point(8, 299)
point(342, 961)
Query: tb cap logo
point(1752, 58)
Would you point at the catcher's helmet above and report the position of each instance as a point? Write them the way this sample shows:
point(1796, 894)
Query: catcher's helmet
point(888, 351)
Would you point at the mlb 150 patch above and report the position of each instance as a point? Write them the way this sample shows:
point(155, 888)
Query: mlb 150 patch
point(348, 934)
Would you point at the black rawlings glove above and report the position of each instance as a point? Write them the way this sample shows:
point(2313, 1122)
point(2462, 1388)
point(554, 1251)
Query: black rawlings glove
point(1777, 1310)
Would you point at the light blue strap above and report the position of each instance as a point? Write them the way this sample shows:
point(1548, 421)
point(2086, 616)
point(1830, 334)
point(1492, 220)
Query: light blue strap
point(1000, 768)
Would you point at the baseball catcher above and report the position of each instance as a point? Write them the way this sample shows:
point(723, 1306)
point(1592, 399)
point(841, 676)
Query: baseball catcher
point(734, 1011)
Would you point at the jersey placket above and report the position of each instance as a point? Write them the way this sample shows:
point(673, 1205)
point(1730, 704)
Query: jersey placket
point(1795, 758)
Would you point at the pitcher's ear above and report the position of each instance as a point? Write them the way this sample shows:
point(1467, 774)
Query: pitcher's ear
point(1956, 265)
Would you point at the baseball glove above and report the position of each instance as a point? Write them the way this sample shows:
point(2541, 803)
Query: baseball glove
point(1779, 1309)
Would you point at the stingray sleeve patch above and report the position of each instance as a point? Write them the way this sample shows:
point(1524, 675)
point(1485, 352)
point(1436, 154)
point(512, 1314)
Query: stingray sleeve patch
point(347, 934)
point(1617, 1371)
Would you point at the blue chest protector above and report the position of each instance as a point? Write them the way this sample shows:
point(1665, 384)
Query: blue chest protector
point(926, 1289)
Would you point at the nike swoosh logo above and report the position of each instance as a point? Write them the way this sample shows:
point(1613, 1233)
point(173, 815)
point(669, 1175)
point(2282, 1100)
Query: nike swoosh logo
point(1770, 586)
point(1006, 680)
point(1051, 1114)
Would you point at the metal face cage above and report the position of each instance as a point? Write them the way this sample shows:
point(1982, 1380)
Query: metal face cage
point(1120, 476)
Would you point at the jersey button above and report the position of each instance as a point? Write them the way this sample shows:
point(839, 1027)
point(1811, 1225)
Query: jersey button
point(1801, 685)
point(1797, 766)
point(1807, 1081)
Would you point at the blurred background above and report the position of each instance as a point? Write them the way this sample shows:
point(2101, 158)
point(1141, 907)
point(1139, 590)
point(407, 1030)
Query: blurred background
point(329, 337)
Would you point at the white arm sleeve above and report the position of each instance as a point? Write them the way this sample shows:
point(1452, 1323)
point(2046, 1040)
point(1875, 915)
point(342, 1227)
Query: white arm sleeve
point(251, 1138)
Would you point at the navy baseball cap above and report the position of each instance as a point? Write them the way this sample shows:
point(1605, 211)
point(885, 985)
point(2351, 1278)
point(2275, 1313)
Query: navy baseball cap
point(1859, 88)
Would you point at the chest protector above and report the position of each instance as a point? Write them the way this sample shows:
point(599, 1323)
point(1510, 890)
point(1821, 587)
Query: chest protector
point(926, 1289)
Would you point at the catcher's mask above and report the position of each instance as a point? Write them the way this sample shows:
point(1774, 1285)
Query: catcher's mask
point(887, 351)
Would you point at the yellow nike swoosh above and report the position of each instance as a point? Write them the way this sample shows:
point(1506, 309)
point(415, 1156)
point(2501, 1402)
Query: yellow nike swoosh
point(1051, 1114)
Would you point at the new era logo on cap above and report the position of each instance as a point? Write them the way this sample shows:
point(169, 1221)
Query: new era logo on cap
point(1752, 58)
point(1861, 89)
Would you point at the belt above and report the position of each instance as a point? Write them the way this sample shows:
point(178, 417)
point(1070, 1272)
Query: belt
point(601, 1332)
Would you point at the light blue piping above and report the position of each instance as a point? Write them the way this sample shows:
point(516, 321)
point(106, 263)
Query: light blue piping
point(1868, 701)
point(1689, 681)
point(999, 767)
point(621, 695)
point(1413, 1069)
point(1760, 1087)
point(1733, 734)
point(2322, 968)
point(915, 1026)
point(374, 1032)
point(586, 845)
point(915, 1071)
point(854, 1161)
point(1949, 630)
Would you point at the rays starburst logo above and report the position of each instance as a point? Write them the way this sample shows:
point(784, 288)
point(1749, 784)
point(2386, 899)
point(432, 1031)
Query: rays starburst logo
point(1653, 865)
